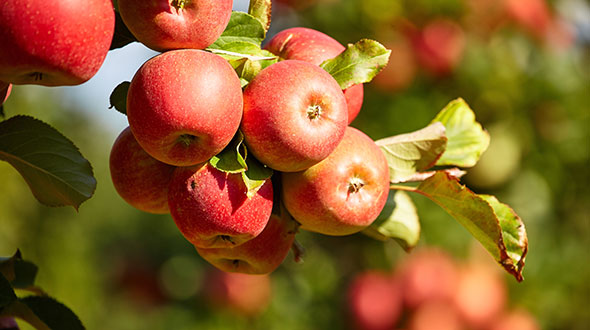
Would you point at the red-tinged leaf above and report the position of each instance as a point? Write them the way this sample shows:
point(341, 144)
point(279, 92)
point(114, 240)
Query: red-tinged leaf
point(492, 223)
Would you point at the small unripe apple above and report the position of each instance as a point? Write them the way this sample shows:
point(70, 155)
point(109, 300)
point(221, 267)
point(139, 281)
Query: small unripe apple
point(243, 294)
point(54, 43)
point(175, 24)
point(342, 194)
point(5, 89)
point(140, 180)
point(212, 210)
point(260, 255)
point(315, 47)
point(375, 301)
point(184, 106)
point(294, 115)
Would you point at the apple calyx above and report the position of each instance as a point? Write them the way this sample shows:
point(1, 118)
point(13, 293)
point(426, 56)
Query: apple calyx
point(314, 111)
point(179, 4)
point(355, 185)
point(186, 139)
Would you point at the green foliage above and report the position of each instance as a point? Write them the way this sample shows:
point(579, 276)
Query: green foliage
point(358, 64)
point(261, 9)
point(118, 97)
point(51, 164)
point(242, 27)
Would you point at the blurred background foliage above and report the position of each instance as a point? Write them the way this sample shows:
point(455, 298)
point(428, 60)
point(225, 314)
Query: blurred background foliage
point(523, 66)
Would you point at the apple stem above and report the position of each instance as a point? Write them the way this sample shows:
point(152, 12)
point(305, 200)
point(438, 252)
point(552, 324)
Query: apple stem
point(314, 111)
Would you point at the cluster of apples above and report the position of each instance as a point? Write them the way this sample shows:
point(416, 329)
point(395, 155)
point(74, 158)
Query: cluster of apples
point(289, 126)
point(430, 290)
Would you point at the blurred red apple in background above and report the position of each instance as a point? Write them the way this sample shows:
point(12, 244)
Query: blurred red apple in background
point(54, 43)
point(163, 24)
point(140, 180)
point(342, 194)
point(401, 69)
point(184, 106)
point(533, 15)
point(515, 320)
point(244, 294)
point(294, 115)
point(375, 301)
point(314, 47)
point(435, 315)
point(260, 255)
point(212, 210)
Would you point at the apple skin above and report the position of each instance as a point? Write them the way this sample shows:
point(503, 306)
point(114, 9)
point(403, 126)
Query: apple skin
point(165, 24)
point(375, 301)
point(140, 180)
point(344, 193)
point(54, 43)
point(315, 47)
point(242, 294)
point(281, 124)
point(212, 210)
point(5, 89)
point(184, 106)
point(260, 255)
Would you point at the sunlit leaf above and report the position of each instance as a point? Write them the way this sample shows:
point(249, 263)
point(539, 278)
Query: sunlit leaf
point(232, 159)
point(256, 175)
point(467, 140)
point(410, 153)
point(52, 166)
point(261, 9)
point(241, 27)
point(358, 64)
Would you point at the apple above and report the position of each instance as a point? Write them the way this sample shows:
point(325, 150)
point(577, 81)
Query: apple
point(401, 69)
point(140, 180)
point(294, 115)
point(8, 323)
point(242, 294)
point(176, 24)
point(435, 315)
point(54, 43)
point(315, 47)
point(533, 15)
point(342, 194)
point(375, 301)
point(438, 46)
point(212, 210)
point(184, 106)
point(428, 275)
point(518, 319)
point(260, 255)
point(5, 89)
point(481, 295)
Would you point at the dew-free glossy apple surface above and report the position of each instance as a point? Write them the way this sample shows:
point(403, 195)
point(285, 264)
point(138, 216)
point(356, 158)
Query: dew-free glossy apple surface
point(54, 43)
point(184, 106)
point(140, 180)
point(278, 125)
point(211, 207)
point(175, 24)
point(315, 47)
point(342, 194)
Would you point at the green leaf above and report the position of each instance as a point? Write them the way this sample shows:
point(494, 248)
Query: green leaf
point(241, 27)
point(494, 224)
point(52, 166)
point(44, 313)
point(122, 35)
point(20, 273)
point(261, 9)
point(232, 159)
point(2, 115)
point(358, 64)
point(7, 294)
point(467, 139)
point(118, 97)
point(398, 221)
point(255, 176)
point(410, 153)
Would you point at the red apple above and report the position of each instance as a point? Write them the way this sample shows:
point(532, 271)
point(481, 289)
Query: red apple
point(428, 275)
point(480, 296)
point(54, 43)
point(314, 47)
point(140, 180)
point(243, 294)
point(438, 46)
point(260, 255)
point(175, 24)
point(515, 320)
point(401, 69)
point(435, 315)
point(533, 15)
point(211, 207)
point(345, 192)
point(184, 106)
point(375, 301)
point(294, 115)
point(5, 89)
